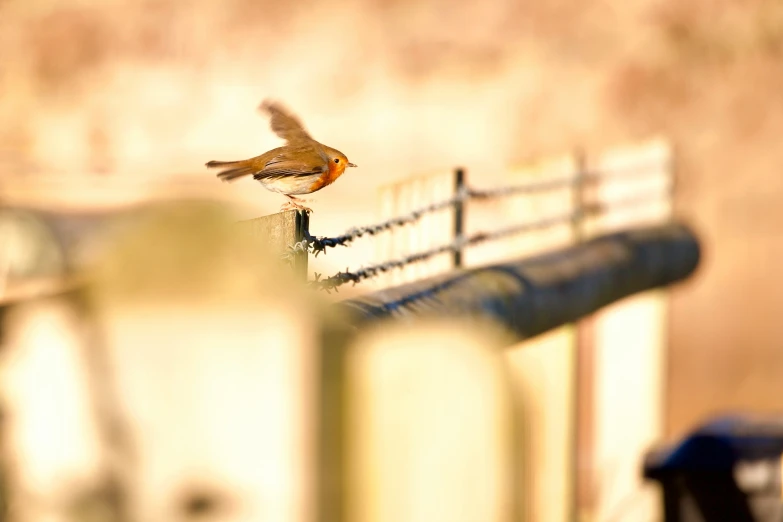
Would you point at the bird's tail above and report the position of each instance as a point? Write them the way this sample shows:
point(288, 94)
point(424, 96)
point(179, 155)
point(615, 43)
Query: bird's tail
point(234, 169)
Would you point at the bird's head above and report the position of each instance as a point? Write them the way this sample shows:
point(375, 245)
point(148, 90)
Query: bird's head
point(337, 160)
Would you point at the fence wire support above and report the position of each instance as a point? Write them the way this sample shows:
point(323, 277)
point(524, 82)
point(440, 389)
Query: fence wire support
point(318, 244)
point(348, 276)
point(341, 278)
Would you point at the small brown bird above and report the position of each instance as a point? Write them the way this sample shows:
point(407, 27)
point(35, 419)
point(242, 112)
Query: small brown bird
point(301, 166)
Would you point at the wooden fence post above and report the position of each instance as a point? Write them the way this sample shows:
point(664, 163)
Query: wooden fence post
point(582, 490)
point(281, 231)
point(459, 213)
point(627, 385)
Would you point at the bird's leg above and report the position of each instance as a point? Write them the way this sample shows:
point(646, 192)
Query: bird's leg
point(299, 200)
point(294, 204)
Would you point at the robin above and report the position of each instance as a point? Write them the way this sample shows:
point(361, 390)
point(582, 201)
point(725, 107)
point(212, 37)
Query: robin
point(301, 166)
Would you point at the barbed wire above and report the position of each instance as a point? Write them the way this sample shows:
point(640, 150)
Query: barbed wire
point(341, 278)
point(591, 209)
point(319, 244)
point(316, 245)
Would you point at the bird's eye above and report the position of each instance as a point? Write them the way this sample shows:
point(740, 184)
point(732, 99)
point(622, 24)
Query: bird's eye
point(337, 160)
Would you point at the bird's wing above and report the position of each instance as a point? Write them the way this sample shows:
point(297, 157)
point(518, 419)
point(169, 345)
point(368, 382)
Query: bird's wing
point(294, 162)
point(286, 171)
point(285, 124)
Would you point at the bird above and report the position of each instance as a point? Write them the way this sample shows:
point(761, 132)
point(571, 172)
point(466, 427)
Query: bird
point(301, 166)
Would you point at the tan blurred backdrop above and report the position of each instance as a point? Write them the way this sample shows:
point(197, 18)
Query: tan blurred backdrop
point(107, 101)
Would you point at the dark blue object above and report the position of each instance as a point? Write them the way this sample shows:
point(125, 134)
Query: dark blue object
point(698, 474)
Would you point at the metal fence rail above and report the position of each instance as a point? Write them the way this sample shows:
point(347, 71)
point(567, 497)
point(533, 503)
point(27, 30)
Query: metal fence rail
point(530, 296)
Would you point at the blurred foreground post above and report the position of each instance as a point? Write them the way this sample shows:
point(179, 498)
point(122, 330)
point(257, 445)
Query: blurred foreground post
point(430, 431)
point(216, 360)
point(179, 383)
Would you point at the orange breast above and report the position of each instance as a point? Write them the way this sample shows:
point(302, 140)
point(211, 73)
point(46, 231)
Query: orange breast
point(328, 177)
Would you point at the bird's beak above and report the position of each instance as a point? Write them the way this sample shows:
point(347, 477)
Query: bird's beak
point(352, 165)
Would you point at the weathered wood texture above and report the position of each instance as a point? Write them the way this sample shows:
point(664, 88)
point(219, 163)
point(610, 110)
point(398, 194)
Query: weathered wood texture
point(280, 231)
point(533, 295)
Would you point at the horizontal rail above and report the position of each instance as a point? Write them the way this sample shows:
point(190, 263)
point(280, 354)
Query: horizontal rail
point(533, 295)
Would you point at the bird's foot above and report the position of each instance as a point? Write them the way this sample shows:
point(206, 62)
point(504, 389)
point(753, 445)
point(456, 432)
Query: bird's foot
point(293, 205)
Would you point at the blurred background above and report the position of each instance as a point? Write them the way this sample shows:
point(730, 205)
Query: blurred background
point(109, 103)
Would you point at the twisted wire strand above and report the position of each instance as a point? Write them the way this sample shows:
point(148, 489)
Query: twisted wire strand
point(319, 244)
point(341, 278)
point(348, 276)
